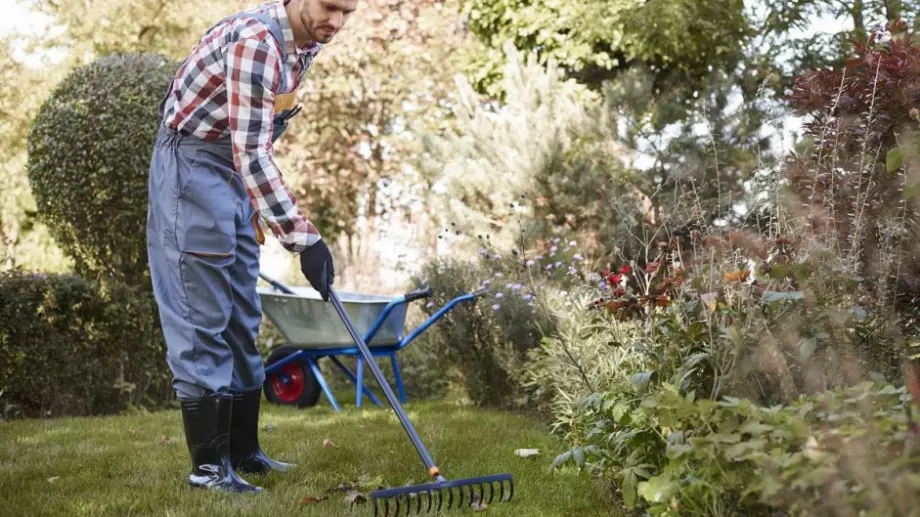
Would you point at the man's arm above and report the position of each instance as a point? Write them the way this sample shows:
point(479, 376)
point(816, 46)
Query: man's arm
point(253, 73)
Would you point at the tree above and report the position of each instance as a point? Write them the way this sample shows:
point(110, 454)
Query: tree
point(24, 242)
point(681, 41)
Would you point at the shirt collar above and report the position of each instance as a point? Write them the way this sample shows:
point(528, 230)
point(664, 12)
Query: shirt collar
point(312, 47)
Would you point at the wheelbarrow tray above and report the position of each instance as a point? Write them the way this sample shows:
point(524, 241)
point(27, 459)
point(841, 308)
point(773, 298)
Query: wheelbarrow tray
point(307, 322)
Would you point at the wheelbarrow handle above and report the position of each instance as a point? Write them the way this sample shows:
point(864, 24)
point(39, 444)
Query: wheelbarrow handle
point(277, 285)
point(418, 295)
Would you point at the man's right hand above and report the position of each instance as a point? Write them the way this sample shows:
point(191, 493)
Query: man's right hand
point(316, 264)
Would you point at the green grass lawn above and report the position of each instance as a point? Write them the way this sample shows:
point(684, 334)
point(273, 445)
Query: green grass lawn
point(131, 465)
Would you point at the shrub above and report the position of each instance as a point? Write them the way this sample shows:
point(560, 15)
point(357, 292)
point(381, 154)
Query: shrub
point(70, 346)
point(855, 183)
point(841, 452)
point(89, 155)
point(487, 341)
point(549, 152)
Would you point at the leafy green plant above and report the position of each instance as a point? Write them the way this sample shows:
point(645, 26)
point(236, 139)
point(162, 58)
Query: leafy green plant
point(487, 341)
point(839, 452)
point(70, 346)
point(89, 154)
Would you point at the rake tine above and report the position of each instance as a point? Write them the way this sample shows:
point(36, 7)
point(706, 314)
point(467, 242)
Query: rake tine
point(511, 485)
point(491, 493)
point(430, 497)
point(418, 503)
point(440, 499)
point(386, 503)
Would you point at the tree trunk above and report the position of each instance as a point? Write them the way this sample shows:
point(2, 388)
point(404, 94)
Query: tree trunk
point(893, 10)
point(859, 22)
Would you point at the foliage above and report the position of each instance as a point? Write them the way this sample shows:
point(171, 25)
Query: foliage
point(835, 453)
point(542, 163)
point(485, 342)
point(593, 40)
point(785, 44)
point(856, 184)
point(24, 242)
point(89, 155)
point(70, 346)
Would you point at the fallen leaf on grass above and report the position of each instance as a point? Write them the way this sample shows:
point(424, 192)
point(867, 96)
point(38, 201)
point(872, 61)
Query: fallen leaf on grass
point(311, 500)
point(164, 440)
point(327, 443)
point(344, 487)
point(367, 482)
point(268, 428)
point(53, 479)
point(354, 497)
point(479, 506)
point(525, 453)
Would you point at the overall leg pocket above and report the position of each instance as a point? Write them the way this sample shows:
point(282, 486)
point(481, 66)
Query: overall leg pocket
point(207, 205)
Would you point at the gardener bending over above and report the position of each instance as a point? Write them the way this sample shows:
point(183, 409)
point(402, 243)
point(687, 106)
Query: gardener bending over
point(212, 175)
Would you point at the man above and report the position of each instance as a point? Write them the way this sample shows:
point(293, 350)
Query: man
point(212, 176)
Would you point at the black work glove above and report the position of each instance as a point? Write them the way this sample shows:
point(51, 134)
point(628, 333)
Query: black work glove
point(316, 265)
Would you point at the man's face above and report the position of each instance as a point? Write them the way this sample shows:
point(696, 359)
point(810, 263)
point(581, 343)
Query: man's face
point(323, 19)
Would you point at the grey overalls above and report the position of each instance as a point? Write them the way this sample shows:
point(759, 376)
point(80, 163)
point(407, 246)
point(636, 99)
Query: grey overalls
point(204, 257)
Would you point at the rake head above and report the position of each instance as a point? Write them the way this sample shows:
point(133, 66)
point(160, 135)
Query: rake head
point(442, 495)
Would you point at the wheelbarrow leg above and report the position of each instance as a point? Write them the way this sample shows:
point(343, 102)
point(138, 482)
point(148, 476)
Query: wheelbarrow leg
point(398, 375)
point(322, 383)
point(357, 381)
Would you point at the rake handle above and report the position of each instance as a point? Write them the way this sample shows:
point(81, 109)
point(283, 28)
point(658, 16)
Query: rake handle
point(433, 470)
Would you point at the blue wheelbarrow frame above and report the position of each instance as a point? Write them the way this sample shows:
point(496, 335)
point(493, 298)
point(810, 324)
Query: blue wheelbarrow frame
point(311, 355)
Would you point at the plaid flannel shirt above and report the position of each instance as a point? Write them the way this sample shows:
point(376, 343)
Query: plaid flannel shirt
point(229, 85)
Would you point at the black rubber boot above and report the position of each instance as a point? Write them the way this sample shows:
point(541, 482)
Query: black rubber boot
point(246, 455)
point(207, 431)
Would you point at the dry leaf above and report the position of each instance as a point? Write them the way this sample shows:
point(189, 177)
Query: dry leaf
point(53, 479)
point(354, 497)
point(479, 506)
point(268, 428)
point(525, 453)
point(164, 439)
point(327, 443)
point(311, 500)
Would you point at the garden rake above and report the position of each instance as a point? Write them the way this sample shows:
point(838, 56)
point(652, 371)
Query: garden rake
point(441, 489)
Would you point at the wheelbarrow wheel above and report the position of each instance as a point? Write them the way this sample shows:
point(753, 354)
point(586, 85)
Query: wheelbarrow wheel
point(294, 384)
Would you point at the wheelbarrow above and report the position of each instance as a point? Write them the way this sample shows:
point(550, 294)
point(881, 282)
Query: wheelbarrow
point(313, 330)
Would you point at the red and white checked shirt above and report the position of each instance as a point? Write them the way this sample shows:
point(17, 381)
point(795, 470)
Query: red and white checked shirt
point(228, 86)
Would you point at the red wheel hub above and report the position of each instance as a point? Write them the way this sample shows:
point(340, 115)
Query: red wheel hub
point(291, 390)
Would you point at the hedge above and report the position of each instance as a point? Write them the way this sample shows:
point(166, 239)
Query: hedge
point(75, 347)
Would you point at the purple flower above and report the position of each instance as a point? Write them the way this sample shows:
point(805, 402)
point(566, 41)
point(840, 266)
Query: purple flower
point(578, 256)
point(499, 275)
point(496, 307)
point(499, 295)
point(530, 262)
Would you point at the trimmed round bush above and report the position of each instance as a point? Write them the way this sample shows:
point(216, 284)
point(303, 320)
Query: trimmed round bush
point(89, 155)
